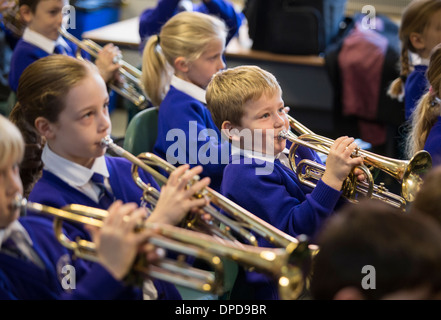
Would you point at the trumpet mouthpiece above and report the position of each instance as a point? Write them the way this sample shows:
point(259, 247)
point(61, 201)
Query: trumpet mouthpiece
point(19, 201)
point(282, 134)
point(107, 141)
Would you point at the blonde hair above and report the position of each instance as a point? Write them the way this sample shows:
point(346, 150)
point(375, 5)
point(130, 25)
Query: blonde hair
point(11, 142)
point(416, 18)
point(187, 35)
point(230, 89)
point(428, 108)
point(42, 92)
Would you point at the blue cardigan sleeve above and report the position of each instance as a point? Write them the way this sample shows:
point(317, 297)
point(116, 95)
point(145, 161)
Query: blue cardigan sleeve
point(152, 19)
point(225, 11)
point(278, 199)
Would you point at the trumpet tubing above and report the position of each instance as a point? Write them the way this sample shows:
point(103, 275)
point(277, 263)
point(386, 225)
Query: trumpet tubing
point(409, 173)
point(241, 221)
point(286, 265)
point(131, 86)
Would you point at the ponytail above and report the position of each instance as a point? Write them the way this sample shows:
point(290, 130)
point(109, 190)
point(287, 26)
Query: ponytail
point(156, 73)
point(32, 166)
point(396, 89)
point(187, 35)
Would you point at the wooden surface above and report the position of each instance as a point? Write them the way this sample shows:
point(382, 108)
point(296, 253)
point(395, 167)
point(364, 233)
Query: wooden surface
point(125, 34)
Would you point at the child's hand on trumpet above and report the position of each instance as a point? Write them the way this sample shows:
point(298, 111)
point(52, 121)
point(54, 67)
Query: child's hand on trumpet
point(340, 163)
point(176, 199)
point(117, 242)
point(108, 62)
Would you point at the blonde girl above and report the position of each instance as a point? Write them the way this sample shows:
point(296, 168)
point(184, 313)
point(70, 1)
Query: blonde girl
point(177, 66)
point(420, 32)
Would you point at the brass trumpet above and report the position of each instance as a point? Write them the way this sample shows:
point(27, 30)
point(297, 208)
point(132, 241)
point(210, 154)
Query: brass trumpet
point(408, 173)
point(241, 221)
point(286, 265)
point(131, 86)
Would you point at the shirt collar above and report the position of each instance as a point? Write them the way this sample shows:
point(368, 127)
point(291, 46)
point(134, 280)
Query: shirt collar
point(42, 42)
point(189, 88)
point(15, 226)
point(425, 62)
point(235, 151)
point(70, 172)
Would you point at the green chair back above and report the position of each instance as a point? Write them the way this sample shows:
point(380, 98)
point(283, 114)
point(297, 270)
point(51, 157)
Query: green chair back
point(142, 131)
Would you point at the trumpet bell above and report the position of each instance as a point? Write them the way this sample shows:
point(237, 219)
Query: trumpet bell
point(408, 173)
point(418, 165)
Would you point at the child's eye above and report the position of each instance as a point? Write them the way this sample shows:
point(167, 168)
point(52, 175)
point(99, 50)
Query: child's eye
point(87, 115)
point(265, 115)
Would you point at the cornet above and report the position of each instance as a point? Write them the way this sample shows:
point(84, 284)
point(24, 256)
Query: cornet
point(408, 173)
point(246, 223)
point(131, 86)
point(286, 265)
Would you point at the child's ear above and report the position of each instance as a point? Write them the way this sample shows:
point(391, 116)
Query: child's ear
point(417, 40)
point(26, 13)
point(230, 131)
point(44, 127)
point(181, 64)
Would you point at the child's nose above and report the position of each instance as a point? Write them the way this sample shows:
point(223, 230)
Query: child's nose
point(104, 121)
point(279, 121)
point(14, 183)
point(221, 64)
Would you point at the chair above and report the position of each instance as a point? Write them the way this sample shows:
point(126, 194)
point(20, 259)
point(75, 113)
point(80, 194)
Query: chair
point(142, 131)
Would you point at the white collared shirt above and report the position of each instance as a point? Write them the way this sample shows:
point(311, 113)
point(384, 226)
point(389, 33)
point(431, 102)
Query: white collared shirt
point(189, 88)
point(14, 227)
point(282, 156)
point(74, 174)
point(42, 42)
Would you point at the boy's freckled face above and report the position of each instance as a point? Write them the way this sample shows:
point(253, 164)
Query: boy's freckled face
point(47, 18)
point(265, 118)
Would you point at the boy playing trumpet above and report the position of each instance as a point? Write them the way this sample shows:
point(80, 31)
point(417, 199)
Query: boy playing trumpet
point(246, 104)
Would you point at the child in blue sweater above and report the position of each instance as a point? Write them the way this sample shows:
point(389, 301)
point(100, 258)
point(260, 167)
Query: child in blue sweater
point(41, 38)
point(246, 104)
point(425, 132)
point(419, 33)
point(152, 19)
point(42, 268)
point(177, 66)
point(62, 103)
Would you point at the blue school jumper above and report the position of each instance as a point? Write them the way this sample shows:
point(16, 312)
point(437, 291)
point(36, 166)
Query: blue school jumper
point(24, 280)
point(281, 200)
point(415, 87)
point(52, 191)
point(185, 119)
point(433, 145)
point(24, 54)
point(152, 19)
